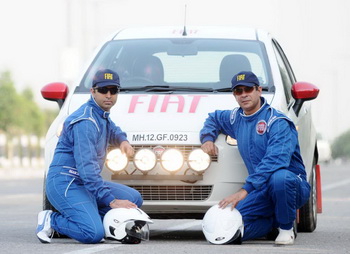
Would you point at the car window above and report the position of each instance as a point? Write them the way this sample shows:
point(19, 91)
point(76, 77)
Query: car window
point(285, 70)
point(204, 67)
point(194, 63)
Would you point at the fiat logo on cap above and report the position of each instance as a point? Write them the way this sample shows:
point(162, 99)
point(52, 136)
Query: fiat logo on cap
point(158, 150)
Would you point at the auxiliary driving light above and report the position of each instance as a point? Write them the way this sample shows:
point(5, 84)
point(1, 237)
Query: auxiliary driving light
point(116, 160)
point(59, 130)
point(145, 160)
point(172, 160)
point(198, 160)
point(231, 141)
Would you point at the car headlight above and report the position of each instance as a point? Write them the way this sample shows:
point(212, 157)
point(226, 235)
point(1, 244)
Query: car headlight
point(198, 160)
point(59, 130)
point(116, 160)
point(172, 160)
point(145, 160)
point(231, 141)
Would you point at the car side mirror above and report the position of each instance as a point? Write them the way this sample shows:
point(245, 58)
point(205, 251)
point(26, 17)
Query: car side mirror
point(301, 92)
point(56, 91)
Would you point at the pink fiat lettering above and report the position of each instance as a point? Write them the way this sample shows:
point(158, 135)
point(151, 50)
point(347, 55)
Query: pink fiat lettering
point(180, 101)
point(150, 102)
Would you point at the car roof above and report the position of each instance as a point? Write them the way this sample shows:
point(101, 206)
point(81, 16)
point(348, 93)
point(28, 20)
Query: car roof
point(211, 32)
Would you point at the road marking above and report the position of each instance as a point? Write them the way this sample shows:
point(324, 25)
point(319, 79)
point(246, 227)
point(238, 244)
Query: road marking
point(335, 185)
point(336, 199)
point(95, 249)
point(104, 247)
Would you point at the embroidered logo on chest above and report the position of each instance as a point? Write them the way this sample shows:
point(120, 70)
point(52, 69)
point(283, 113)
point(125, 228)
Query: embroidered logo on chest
point(261, 127)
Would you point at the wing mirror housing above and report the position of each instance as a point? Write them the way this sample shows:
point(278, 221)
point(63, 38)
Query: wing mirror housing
point(56, 91)
point(301, 92)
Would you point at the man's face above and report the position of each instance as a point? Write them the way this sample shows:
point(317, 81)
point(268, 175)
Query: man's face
point(105, 97)
point(248, 98)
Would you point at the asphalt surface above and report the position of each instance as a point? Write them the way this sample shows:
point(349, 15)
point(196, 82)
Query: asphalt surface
point(21, 198)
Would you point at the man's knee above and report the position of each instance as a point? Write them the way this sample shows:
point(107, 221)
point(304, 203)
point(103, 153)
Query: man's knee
point(282, 179)
point(138, 199)
point(88, 231)
point(92, 236)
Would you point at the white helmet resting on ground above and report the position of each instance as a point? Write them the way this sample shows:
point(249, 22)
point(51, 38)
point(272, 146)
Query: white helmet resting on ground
point(128, 226)
point(223, 226)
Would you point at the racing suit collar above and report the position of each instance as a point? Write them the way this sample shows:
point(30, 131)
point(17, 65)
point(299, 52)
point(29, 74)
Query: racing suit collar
point(100, 111)
point(263, 104)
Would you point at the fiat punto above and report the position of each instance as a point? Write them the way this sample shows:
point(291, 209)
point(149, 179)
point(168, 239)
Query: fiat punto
point(171, 78)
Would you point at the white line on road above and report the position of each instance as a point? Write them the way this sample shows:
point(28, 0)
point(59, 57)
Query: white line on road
point(335, 185)
point(104, 247)
point(95, 249)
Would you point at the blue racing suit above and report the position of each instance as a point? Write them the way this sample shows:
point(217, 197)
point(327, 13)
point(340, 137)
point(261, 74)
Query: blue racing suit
point(276, 184)
point(74, 185)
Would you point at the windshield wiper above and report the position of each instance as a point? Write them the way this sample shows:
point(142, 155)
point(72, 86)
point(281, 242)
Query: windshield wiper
point(166, 89)
point(158, 88)
point(224, 89)
point(228, 89)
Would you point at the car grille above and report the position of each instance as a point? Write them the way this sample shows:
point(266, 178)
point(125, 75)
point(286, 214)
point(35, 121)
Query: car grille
point(185, 149)
point(176, 192)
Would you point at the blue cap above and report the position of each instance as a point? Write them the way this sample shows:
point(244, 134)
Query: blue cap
point(105, 77)
point(244, 78)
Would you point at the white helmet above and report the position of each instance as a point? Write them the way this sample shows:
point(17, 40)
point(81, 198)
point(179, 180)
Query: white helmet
point(223, 226)
point(127, 225)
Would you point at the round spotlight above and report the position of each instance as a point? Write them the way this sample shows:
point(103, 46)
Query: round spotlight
point(198, 160)
point(145, 160)
point(231, 141)
point(172, 160)
point(116, 160)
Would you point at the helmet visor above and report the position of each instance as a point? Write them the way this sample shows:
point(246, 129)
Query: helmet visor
point(138, 229)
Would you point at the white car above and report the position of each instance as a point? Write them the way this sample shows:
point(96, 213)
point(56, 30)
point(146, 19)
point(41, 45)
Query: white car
point(171, 78)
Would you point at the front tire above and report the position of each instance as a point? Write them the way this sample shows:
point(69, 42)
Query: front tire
point(46, 203)
point(308, 213)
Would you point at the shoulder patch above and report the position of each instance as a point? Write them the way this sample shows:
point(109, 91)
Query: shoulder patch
point(233, 115)
point(261, 127)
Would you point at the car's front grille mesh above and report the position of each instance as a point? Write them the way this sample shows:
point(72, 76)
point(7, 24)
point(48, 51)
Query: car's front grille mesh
point(176, 192)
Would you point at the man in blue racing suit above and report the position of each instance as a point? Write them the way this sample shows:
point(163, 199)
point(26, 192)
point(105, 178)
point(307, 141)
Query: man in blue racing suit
point(267, 140)
point(73, 184)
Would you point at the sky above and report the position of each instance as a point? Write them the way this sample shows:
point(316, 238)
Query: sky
point(43, 41)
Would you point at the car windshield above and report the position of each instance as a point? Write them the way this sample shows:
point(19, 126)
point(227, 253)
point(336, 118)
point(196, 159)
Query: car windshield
point(171, 65)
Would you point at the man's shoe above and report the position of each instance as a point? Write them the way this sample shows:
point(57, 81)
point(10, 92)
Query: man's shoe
point(285, 237)
point(44, 230)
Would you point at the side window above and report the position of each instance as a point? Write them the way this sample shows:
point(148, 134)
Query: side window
point(285, 70)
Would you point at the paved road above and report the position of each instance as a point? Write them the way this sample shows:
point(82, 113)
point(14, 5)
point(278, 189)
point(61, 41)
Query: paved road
point(20, 201)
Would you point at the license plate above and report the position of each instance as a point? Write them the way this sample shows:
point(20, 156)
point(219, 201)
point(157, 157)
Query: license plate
point(163, 138)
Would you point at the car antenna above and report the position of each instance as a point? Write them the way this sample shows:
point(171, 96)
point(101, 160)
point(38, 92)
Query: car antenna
point(184, 33)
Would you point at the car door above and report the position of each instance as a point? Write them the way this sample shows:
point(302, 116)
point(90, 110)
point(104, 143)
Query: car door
point(303, 119)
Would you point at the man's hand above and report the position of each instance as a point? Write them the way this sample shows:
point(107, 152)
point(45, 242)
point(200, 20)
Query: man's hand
point(126, 148)
point(233, 199)
point(120, 203)
point(210, 148)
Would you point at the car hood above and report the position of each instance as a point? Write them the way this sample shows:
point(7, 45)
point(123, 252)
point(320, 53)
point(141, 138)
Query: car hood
point(154, 114)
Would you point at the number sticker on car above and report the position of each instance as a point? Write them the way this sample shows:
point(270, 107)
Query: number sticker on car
point(163, 138)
